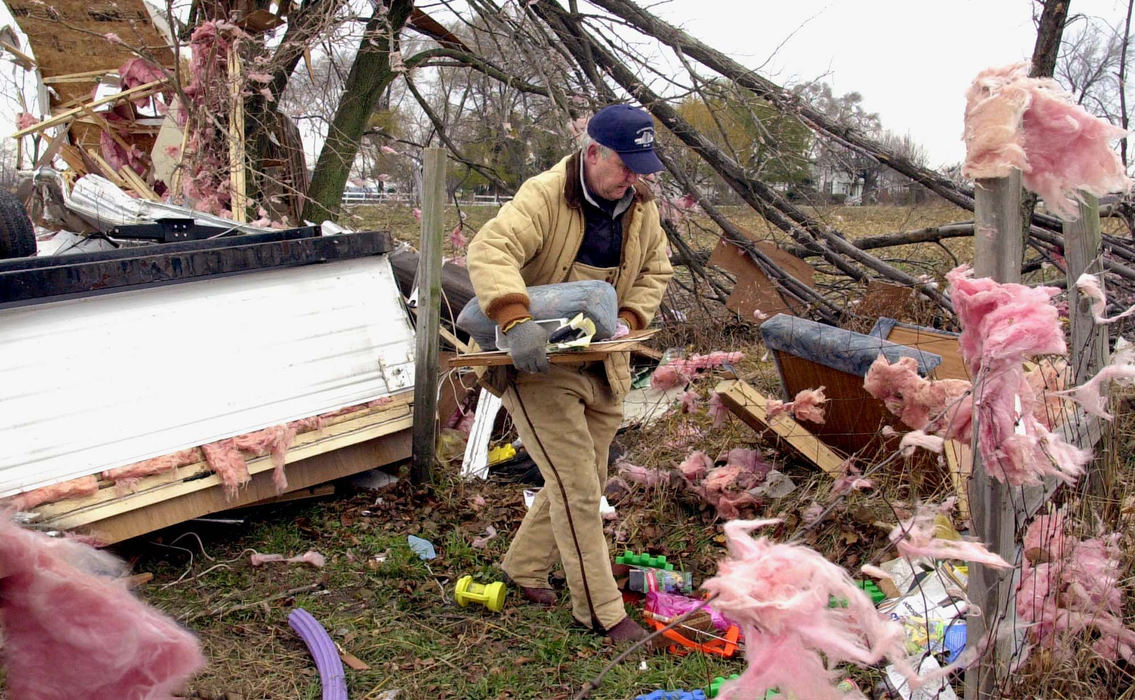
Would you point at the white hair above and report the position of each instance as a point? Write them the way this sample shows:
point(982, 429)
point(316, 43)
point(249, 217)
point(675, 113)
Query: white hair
point(585, 140)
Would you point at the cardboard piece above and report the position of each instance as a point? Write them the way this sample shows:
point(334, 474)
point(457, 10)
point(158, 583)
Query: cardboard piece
point(754, 290)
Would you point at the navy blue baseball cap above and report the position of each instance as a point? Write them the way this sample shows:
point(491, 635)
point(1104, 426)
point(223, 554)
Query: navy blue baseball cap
point(630, 133)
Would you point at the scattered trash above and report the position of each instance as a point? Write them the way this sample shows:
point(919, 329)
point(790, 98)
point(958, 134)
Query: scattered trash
point(311, 558)
point(373, 480)
point(698, 694)
point(423, 548)
point(777, 485)
point(483, 541)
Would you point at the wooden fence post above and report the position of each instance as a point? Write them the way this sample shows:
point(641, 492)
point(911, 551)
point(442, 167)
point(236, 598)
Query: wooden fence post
point(429, 316)
point(998, 253)
point(1089, 351)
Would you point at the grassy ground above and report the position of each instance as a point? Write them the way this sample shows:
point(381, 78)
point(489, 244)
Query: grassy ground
point(396, 613)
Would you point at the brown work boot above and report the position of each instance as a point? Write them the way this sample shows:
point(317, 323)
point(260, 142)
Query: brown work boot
point(627, 631)
point(539, 596)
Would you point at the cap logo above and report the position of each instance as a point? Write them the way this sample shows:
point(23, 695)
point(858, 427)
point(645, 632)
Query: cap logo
point(645, 137)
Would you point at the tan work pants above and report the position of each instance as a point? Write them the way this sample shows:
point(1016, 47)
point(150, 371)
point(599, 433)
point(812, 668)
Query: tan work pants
point(567, 420)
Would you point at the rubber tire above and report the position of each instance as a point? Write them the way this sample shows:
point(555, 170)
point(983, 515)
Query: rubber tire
point(17, 237)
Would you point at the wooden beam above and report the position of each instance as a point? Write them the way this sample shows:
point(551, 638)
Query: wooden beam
point(1089, 352)
point(318, 469)
point(340, 431)
point(90, 76)
point(998, 253)
point(239, 199)
point(22, 59)
point(595, 351)
point(57, 119)
point(429, 315)
point(748, 404)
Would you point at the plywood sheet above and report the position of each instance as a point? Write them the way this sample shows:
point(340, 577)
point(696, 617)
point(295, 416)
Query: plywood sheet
point(68, 36)
point(937, 342)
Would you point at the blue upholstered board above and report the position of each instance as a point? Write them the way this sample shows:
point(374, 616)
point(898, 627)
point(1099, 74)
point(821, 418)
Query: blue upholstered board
point(837, 348)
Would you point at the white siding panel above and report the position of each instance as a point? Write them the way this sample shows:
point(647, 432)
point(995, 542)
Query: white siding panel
point(98, 382)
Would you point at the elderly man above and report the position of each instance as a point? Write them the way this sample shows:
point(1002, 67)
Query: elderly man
point(587, 218)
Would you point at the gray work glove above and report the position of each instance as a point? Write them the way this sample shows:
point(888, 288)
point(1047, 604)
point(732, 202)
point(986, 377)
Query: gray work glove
point(528, 346)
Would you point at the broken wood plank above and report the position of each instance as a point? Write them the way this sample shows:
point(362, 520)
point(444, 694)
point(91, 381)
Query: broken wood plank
point(138, 184)
point(107, 170)
point(959, 461)
point(57, 119)
point(73, 157)
point(379, 451)
point(748, 404)
point(595, 351)
point(341, 431)
point(239, 200)
point(90, 76)
point(21, 59)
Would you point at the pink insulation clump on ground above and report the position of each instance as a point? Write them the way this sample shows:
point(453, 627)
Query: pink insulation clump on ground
point(1014, 121)
point(680, 371)
point(1003, 325)
point(808, 405)
point(726, 487)
point(917, 537)
point(1070, 587)
point(640, 475)
point(71, 633)
point(794, 639)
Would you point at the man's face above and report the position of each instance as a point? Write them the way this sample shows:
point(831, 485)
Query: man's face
point(605, 173)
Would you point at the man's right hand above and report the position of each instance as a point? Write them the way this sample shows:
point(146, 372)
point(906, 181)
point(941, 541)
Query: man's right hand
point(528, 346)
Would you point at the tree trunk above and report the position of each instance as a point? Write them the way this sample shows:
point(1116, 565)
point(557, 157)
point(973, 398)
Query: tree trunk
point(369, 77)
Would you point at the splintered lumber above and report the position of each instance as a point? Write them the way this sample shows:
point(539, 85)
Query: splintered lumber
point(131, 94)
point(748, 404)
point(595, 351)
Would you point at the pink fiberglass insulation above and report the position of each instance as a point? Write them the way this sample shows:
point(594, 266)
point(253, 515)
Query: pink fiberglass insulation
point(1069, 150)
point(69, 633)
point(639, 475)
point(779, 594)
point(311, 558)
point(275, 441)
point(1092, 394)
point(1002, 326)
point(917, 438)
point(72, 488)
point(1014, 121)
point(995, 106)
point(681, 370)
point(1089, 286)
point(916, 537)
point(128, 476)
point(717, 409)
point(690, 400)
point(727, 487)
point(225, 460)
point(1070, 588)
point(695, 466)
point(808, 405)
point(942, 406)
point(851, 480)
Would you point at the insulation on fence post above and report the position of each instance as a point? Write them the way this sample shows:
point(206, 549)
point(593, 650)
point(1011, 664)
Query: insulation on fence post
point(429, 315)
point(998, 253)
point(1088, 349)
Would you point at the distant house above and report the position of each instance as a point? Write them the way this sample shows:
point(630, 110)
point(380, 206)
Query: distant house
point(837, 184)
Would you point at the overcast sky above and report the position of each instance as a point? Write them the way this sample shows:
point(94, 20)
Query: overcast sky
point(912, 60)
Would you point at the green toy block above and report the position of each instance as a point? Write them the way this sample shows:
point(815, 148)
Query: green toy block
point(873, 590)
point(644, 560)
point(715, 685)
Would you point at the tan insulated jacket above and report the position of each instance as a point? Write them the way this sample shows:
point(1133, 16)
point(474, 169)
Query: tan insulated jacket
point(534, 240)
